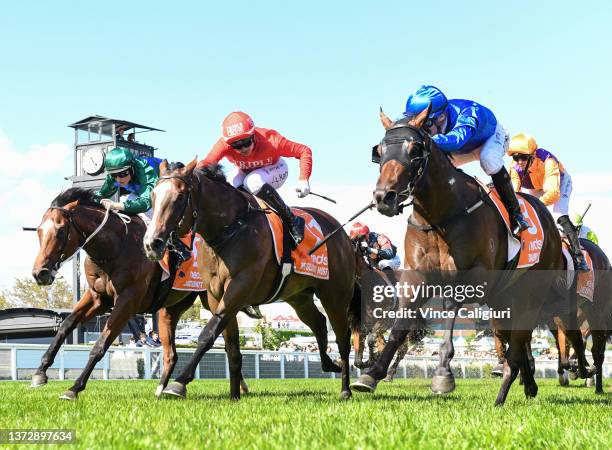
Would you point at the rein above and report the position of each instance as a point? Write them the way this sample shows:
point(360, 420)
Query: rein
point(86, 239)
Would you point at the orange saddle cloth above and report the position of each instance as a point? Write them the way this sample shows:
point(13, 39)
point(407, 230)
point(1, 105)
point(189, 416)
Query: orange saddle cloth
point(532, 239)
point(585, 286)
point(188, 276)
point(315, 265)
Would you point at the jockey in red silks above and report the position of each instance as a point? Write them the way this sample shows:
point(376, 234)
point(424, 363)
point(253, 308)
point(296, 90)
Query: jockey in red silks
point(257, 154)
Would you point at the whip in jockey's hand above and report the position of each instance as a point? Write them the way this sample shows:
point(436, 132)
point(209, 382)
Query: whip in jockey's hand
point(260, 168)
point(109, 204)
point(303, 188)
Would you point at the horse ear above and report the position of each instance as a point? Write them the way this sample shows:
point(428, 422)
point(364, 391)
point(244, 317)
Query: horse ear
point(189, 168)
point(163, 167)
point(386, 122)
point(70, 206)
point(420, 119)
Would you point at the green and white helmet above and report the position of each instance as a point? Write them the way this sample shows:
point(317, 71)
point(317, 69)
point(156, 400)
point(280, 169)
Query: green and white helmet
point(118, 160)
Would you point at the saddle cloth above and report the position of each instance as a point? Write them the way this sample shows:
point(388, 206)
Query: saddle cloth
point(585, 286)
point(530, 245)
point(315, 265)
point(188, 276)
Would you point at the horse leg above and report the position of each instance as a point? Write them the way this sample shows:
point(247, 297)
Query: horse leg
point(401, 352)
point(500, 351)
point(125, 307)
point(231, 336)
point(443, 380)
point(515, 359)
point(527, 372)
point(358, 347)
point(87, 307)
point(308, 313)
point(226, 309)
point(167, 321)
point(340, 324)
point(368, 381)
point(563, 358)
point(598, 351)
point(575, 337)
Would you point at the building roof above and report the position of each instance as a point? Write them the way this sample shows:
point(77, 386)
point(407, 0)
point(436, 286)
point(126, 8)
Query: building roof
point(97, 118)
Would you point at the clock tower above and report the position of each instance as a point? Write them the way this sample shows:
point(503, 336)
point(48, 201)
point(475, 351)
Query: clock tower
point(94, 136)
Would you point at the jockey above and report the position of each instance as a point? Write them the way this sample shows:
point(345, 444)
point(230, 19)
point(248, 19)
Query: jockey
point(136, 175)
point(539, 173)
point(585, 232)
point(259, 167)
point(377, 247)
point(468, 131)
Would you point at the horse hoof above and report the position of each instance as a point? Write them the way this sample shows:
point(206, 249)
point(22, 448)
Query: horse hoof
point(589, 382)
point(175, 389)
point(573, 375)
point(345, 395)
point(498, 371)
point(38, 380)
point(244, 388)
point(388, 379)
point(330, 366)
point(442, 384)
point(531, 391)
point(365, 383)
point(564, 379)
point(68, 395)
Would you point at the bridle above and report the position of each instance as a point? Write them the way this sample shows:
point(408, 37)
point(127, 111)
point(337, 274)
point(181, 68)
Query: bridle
point(396, 149)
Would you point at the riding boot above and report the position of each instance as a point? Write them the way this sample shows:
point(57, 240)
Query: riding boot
point(501, 181)
point(296, 224)
point(572, 236)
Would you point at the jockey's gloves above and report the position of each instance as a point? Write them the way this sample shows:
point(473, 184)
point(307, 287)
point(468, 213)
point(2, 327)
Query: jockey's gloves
point(303, 188)
point(109, 204)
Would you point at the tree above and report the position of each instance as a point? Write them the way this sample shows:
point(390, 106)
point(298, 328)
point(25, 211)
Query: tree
point(25, 292)
point(270, 338)
point(4, 303)
point(193, 313)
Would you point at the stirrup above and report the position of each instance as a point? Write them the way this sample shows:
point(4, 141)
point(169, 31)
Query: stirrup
point(519, 224)
point(297, 229)
point(580, 264)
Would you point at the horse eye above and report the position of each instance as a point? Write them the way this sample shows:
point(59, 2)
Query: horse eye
point(61, 232)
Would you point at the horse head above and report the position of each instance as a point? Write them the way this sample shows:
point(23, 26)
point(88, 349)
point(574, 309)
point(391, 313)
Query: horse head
point(173, 204)
point(57, 243)
point(403, 154)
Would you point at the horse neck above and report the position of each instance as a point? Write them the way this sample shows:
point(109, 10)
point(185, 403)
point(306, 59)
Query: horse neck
point(219, 205)
point(444, 190)
point(104, 245)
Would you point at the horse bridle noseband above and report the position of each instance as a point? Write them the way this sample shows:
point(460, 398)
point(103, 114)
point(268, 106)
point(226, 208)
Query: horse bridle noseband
point(70, 218)
point(174, 242)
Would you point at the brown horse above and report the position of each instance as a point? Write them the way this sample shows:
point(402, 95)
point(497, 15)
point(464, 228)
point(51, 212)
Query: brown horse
point(455, 236)
point(119, 276)
point(240, 265)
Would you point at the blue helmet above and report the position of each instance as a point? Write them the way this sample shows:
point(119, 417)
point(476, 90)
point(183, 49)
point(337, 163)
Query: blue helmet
point(423, 96)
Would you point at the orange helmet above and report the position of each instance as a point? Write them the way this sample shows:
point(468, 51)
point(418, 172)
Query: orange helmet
point(359, 230)
point(523, 144)
point(236, 126)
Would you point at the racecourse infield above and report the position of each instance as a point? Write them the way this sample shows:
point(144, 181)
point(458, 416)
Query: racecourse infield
point(307, 414)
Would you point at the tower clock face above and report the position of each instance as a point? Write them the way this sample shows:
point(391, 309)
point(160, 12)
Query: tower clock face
point(93, 161)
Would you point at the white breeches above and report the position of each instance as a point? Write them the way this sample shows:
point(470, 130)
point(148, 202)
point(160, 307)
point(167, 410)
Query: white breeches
point(490, 154)
point(561, 206)
point(275, 175)
point(393, 263)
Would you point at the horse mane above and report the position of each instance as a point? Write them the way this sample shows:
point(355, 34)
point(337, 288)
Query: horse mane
point(214, 172)
point(84, 196)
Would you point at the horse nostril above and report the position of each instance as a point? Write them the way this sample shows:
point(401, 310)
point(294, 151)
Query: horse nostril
point(42, 276)
point(157, 245)
point(390, 198)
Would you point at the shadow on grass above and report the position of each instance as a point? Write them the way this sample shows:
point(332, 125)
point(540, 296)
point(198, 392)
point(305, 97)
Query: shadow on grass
point(601, 399)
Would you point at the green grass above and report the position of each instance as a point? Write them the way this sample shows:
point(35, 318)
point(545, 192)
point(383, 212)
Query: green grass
point(307, 414)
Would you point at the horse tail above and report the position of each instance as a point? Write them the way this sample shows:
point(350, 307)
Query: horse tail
point(355, 309)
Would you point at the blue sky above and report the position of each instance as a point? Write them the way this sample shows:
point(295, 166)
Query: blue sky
point(315, 71)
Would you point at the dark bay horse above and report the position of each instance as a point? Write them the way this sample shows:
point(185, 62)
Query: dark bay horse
point(455, 236)
point(240, 266)
point(120, 278)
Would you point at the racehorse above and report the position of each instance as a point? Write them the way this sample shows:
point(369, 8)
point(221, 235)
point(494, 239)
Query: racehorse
point(240, 266)
point(456, 233)
point(120, 278)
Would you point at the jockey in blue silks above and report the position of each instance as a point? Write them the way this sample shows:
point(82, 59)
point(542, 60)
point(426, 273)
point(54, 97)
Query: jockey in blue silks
point(468, 131)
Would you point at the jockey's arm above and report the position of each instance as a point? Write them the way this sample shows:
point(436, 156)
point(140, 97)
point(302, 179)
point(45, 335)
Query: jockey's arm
point(455, 139)
point(552, 182)
point(146, 176)
point(107, 190)
point(292, 149)
point(515, 179)
point(216, 154)
point(385, 248)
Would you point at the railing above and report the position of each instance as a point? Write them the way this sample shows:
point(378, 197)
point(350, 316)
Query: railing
point(19, 362)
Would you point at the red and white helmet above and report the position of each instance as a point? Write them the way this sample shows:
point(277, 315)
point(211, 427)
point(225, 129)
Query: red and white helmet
point(359, 230)
point(236, 126)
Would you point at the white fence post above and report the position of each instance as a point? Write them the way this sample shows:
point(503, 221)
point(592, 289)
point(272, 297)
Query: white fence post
point(257, 366)
point(305, 366)
point(282, 365)
point(14, 363)
point(105, 366)
point(147, 364)
point(61, 375)
point(227, 373)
